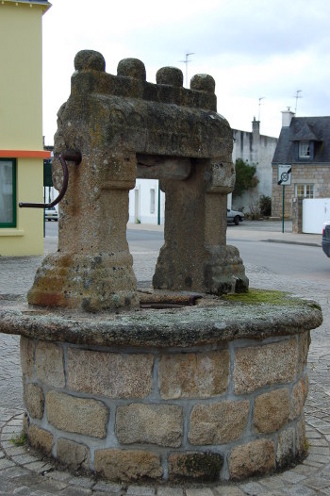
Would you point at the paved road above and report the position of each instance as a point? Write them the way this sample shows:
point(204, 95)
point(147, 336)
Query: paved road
point(24, 474)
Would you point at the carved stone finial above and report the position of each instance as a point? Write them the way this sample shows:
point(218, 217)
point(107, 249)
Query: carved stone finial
point(133, 68)
point(203, 82)
point(170, 75)
point(89, 60)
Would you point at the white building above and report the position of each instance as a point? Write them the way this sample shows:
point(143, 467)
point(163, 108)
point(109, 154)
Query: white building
point(258, 150)
point(147, 202)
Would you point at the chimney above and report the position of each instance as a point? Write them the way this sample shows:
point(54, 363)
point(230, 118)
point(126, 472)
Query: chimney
point(286, 117)
point(255, 127)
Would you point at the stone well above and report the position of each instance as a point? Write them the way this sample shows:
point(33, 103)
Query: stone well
point(113, 384)
point(204, 393)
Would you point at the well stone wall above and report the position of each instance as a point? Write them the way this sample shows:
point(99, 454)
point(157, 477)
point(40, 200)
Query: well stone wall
point(229, 411)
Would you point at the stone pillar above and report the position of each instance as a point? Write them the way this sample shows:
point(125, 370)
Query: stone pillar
point(297, 205)
point(195, 256)
point(92, 268)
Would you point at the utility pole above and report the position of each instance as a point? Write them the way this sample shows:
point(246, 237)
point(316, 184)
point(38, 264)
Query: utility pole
point(296, 97)
point(186, 61)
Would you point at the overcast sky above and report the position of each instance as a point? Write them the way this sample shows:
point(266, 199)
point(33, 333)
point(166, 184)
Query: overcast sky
point(260, 52)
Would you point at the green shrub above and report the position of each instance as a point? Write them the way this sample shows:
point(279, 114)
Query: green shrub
point(265, 204)
point(245, 177)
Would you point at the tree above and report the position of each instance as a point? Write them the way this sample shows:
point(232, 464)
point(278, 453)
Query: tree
point(245, 177)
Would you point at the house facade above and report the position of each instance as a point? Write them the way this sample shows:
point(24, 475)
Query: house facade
point(21, 142)
point(147, 202)
point(304, 146)
point(255, 149)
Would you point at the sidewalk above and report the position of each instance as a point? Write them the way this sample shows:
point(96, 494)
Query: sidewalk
point(23, 473)
point(260, 231)
point(272, 231)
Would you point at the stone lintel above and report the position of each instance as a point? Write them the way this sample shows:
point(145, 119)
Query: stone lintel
point(153, 167)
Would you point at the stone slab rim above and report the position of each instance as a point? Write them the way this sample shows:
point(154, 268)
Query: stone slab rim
point(184, 327)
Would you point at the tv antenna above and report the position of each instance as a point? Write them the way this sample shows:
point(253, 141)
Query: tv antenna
point(261, 98)
point(186, 61)
point(296, 97)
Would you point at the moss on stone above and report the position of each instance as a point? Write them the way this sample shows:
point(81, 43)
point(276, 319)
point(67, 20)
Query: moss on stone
point(19, 440)
point(267, 297)
point(199, 466)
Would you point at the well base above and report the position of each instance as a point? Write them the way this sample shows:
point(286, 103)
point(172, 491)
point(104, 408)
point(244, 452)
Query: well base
point(206, 393)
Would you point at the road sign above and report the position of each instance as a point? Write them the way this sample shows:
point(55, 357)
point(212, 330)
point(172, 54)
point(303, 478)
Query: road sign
point(284, 175)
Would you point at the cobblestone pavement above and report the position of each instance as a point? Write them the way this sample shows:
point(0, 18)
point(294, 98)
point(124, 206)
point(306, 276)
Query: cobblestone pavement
point(25, 474)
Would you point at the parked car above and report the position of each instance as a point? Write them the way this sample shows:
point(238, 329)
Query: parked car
point(326, 238)
point(51, 214)
point(234, 216)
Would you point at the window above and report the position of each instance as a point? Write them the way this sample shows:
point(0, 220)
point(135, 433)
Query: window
point(7, 193)
point(304, 149)
point(304, 190)
point(152, 201)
